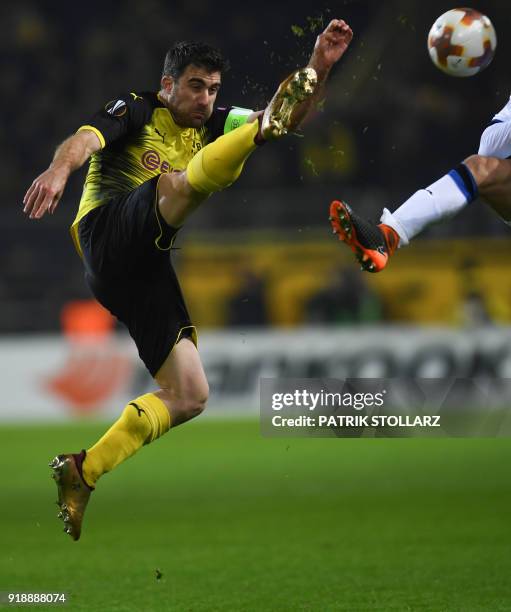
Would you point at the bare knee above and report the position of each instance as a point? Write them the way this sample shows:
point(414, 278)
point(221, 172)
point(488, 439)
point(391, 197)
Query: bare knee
point(194, 402)
point(487, 171)
point(187, 402)
point(182, 381)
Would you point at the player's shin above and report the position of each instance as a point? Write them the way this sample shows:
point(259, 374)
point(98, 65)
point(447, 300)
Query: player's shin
point(220, 163)
point(142, 421)
point(441, 200)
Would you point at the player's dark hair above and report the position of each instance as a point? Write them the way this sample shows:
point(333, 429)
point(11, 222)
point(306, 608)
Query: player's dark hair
point(184, 53)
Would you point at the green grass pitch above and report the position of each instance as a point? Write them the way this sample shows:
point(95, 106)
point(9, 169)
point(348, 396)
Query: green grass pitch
point(237, 522)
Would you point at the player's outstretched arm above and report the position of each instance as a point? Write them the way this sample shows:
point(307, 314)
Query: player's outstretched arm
point(46, 190)
point(330, 46)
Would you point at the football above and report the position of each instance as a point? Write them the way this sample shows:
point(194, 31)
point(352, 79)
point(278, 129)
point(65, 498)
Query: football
point(462, 42)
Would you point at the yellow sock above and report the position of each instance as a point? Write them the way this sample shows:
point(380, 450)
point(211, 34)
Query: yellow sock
point(142, 421)
point(220, 163)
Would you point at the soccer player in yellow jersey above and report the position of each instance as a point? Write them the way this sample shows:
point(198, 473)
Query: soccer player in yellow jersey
point(154, 158)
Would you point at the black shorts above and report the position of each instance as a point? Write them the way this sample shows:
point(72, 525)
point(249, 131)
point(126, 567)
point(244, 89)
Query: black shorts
point(126, 250)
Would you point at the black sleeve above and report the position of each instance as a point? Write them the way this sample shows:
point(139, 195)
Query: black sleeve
point(226, 119)
point(216, 123)
point(127, 113)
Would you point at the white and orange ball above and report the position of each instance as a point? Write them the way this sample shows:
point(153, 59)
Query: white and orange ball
point(462, 42)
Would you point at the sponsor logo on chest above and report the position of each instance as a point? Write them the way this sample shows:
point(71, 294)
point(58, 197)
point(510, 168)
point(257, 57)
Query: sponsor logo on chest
point(152, 161)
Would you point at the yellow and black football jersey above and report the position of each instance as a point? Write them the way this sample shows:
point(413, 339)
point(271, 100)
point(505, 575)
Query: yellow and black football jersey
point(139, 140)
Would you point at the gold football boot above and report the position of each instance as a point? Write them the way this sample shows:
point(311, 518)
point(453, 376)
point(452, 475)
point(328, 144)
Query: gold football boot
point(73, 491)
point(298, 86)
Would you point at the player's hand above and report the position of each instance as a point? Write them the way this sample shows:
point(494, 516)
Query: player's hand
point(45, 192)
point(330, 46)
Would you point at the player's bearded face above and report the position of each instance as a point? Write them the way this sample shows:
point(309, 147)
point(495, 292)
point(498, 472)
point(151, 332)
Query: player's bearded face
point(193, 95)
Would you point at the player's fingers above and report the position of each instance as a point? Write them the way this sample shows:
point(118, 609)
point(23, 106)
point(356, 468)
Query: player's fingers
point(53, 205)
point(334, 38)
point(30, 191)
point(30, 198)
point(339, 31)
point(333, 23)
point(336, 24)
point(45, 205)
point(344, 29)
point(41, 196)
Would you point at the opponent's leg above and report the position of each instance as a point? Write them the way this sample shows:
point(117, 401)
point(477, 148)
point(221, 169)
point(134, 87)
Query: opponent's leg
point(374, 244)
point(488, 177)
point(493, 178)
point(492, 174)
point(440, 200)
point(488, 174)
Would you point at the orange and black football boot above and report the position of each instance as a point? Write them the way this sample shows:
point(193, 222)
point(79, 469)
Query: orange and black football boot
point(372, 244)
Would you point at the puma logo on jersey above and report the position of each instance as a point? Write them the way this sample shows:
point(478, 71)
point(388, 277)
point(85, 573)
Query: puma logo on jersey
point(162, 136)
point(139, 410)
point(135, 97)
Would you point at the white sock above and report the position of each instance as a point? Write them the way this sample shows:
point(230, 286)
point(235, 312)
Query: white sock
point(440, 200)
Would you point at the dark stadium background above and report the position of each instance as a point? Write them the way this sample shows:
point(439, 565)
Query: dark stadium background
point(391, 123)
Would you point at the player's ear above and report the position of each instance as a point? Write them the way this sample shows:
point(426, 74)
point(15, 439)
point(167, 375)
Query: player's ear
point(167, 83)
